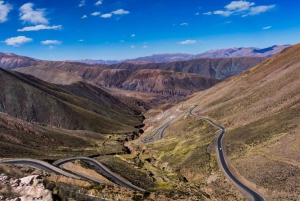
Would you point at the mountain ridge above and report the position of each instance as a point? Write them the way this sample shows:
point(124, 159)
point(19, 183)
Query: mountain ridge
point(218, 53)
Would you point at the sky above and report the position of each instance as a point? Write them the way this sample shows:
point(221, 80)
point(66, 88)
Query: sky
point(125, 29)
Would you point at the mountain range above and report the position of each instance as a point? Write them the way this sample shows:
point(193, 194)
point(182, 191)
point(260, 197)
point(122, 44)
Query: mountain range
point(219, 53)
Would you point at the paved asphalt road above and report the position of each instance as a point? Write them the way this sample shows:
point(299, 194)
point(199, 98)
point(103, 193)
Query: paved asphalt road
point(41, 165)
point(162, 128)
point(102, 170)
point(221, 156)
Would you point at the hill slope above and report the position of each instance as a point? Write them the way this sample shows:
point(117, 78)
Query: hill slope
point(78, 106)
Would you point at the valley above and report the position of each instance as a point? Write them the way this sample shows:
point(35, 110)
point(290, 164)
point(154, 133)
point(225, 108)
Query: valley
point(140, 122)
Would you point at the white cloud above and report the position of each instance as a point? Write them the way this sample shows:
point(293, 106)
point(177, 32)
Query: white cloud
point(95, 13)
point(242, 8)
point(107, 15)
point(197, 13)
point(50, 42)
point(80, 40)
point(132, 46)
point(98, 3)
point(120, 12)
point(223, 13)
point(260, 9)
point(82, 3)
point(27, 14)
point(40, 27)
point(186, 42)
point(239, 5)
point(51, 47)
point(184, 24)
point(83, 17)
point(4, 10)
point(16, 41)
point(207, 13)
point(268, 27)
point(145, 46)
point(133, 35)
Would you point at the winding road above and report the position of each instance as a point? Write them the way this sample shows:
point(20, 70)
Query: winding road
point(223, 163)
point(41, 165)
point(100, 168)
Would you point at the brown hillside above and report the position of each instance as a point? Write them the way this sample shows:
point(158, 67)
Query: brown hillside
point(219, 68)
point(167, 85)
point(167, 82)
point(78, 106)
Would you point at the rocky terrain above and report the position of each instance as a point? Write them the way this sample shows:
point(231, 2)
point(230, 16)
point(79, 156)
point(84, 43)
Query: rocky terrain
point(28, 188)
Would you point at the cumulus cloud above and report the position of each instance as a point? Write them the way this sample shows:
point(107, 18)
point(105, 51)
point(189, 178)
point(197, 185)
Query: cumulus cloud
point(82, 3)
point(260, 9)
point(133, 35)
point(197, 13)
point(184, 24)
point(80, 40)
point(40, 27)
point(207, 13)
point(98, 3)
point(120, 12)
point(223, 13)
point(243, 8)
point(83, 17)
point(186, 42)
point(50, 42)
point(5, 8)
point(239, 5)
point(268, 27)
point(107, 15)
point(28, 14)
point(95, 13)
point(16, 41)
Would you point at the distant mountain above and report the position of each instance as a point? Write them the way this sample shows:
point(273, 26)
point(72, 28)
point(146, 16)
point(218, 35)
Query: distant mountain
point(219, 53)
point(218, 68)
point(243, 52)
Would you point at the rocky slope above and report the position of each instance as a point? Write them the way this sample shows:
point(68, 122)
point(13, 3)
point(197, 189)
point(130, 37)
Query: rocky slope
point(220, 68)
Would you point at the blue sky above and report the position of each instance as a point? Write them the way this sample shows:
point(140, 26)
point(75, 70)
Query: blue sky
point(119, 29)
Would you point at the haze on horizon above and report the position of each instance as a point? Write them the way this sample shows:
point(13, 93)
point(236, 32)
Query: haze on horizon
point(102, 29)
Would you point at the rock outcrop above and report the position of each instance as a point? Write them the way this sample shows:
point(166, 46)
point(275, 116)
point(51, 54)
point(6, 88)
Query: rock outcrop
point(27, 188)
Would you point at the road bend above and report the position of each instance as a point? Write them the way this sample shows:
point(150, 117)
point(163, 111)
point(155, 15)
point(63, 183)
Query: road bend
point(100, 168)
point(37, 164)
point(223, 163)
